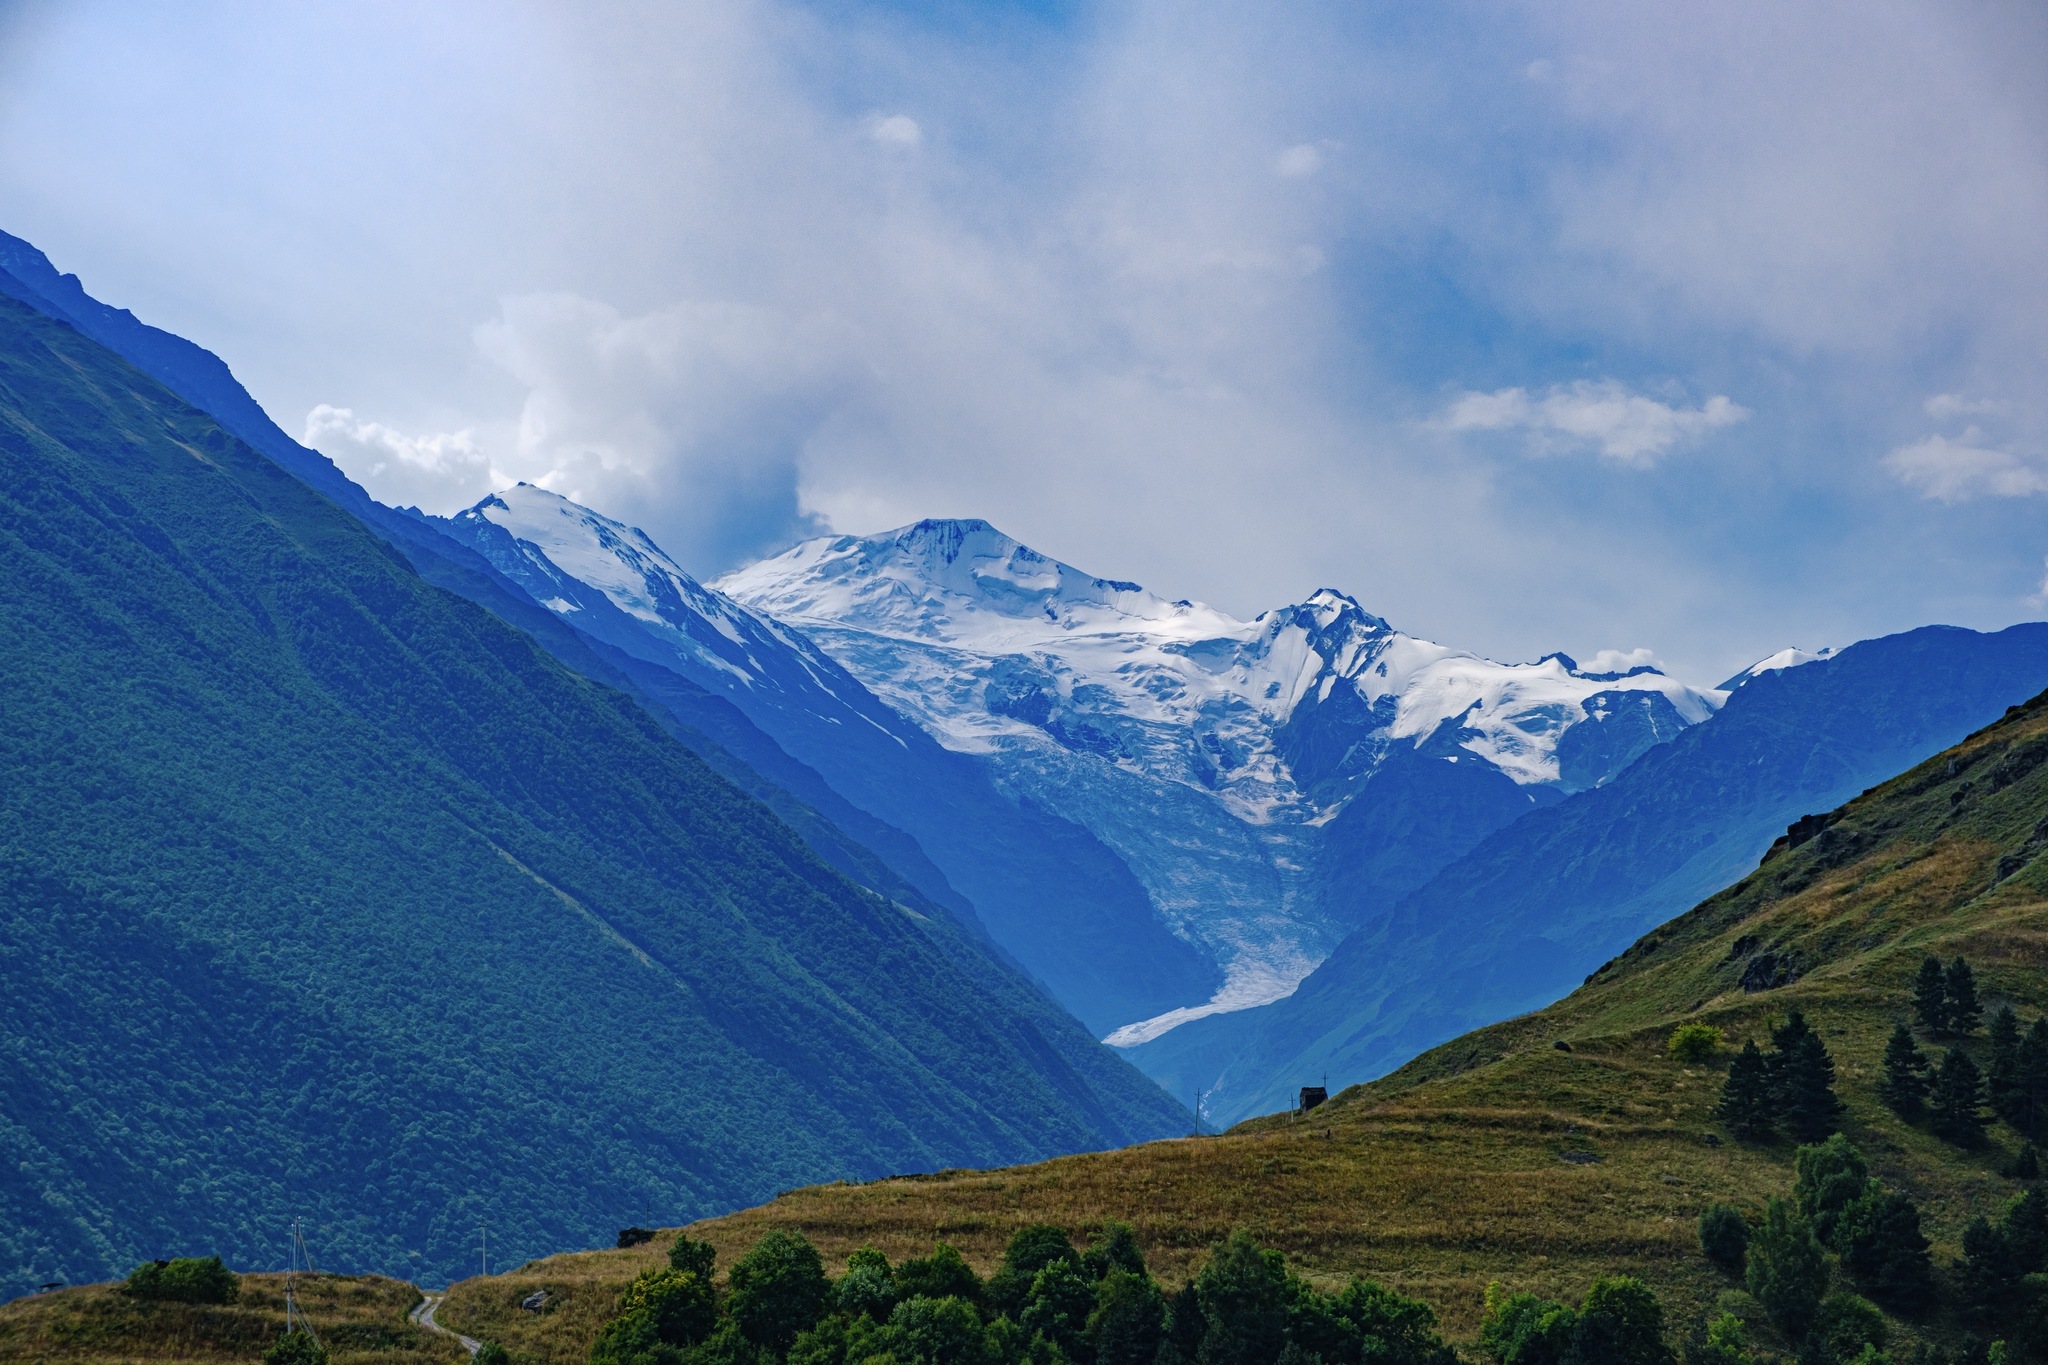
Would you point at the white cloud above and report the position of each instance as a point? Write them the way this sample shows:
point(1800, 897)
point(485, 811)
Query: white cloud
point(2042, 595)
point(1945, 405)
point(1601, 415)
point(895, 130)
point(436, 472)
point(1620, 661)
point(1945, 470)
point(1299, 162)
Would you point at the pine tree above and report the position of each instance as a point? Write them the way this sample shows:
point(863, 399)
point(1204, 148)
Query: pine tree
point(1930, 997)
point(1905, 1074)
point(1788, 1271)
point(1960, 999)
point(2003, 1059)
point(1959, 1100)
point(1803, 1080)
point(2029, 1099)
point(1747, 1106)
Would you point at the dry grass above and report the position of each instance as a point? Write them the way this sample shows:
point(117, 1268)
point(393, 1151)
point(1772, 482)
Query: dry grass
point(1453, 1172)
point(362, 1318)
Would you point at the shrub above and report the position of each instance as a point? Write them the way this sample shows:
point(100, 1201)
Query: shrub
point(678, 1302)
point(1725, 1341)
point(491, 1353)
point(1525, 1329)
point(189, 1279)
point(699, 1258)
point(1724, 1237)
point(1829, 1176)
point(1844, 1328)
point(1693, 1043)
point(296, 1348)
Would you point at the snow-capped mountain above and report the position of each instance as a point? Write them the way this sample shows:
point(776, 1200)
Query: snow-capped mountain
point(1209, 752)
point(1040, 883)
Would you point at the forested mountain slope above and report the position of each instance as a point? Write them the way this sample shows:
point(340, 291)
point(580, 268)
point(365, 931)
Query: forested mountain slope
point(329, 893)
point(1560, 1146)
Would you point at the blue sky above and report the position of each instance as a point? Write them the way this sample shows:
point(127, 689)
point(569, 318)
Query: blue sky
point(1703, 330)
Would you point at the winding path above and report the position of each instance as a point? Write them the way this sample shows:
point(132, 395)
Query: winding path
point(423, 1314)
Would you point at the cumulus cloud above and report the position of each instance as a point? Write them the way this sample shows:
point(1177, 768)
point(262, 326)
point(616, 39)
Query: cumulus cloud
point(2041, 595)
point(1620, 660)
point(1946, 405)
point(437, 472)
point(1942, 469)
point(1599, 415)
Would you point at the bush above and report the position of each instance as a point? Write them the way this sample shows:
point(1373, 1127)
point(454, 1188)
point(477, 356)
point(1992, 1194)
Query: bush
point(699, 1258)
point(1693, 1043)
point(297, 1348)
point(678, 1302)
point(1844, 1328)
point(1829, 1176)
point(491, 1353)
point(1525, 1329)
point(1620, 1323)
point(1724, 1237)
point(189, 1279)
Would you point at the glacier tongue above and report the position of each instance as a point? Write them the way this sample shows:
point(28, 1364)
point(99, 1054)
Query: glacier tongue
point(1211, 753)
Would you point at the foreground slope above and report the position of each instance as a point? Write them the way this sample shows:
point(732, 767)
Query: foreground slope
point(1520, 919)
point(323, 891)
point(1502, 1156)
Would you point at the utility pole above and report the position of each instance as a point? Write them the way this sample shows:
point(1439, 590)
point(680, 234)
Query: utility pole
point(484, 1232)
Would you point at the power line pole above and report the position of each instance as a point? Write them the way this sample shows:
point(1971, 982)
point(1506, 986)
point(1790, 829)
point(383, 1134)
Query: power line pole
point(484, 1232)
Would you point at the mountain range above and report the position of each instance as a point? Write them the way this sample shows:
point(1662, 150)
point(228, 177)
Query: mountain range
point(889, 814)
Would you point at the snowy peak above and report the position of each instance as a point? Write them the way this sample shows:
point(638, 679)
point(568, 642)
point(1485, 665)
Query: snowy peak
point(988, 643)
point(1784, 658)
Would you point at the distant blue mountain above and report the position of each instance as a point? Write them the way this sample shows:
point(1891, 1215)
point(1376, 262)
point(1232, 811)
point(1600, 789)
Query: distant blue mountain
point(1517, 922)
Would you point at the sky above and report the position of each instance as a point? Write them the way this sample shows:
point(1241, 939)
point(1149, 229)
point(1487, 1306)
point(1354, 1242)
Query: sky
point(1694, 330)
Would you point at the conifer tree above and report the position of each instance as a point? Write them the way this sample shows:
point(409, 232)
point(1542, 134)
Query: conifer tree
point(1747, 1106)
point(1930, 997)
point(2002, 1060)
point(1803, 1080)
point(1905, 1074)
point(1959, 1100)
point(1960, 999)
point(2027, 1108)
point(1788, 1271)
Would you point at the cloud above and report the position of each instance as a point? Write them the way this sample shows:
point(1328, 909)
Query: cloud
point(2041, 595)
point(1945, 470)
point(1601, 415)
point(436, 472)
point(1299, 162)
point(896, 130)
point(1620, 660)
point(1945, 405)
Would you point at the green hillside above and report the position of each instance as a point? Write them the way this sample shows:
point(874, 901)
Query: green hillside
point(325, 892)
point(1551, 1149)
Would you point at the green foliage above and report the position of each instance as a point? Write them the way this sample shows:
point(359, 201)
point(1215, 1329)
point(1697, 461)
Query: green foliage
point(1885, 1252)
point(679, 1303)
point(1827, 1178)
point(944, 1274)
point(1114, 1246)
point(1058, 1306)
point(491, 1353)
point(1904, 1087)
point(935, 1332)
point(1845, 1327)
point(867, 1288)
point(1031, 1250)
point(1525, 1329)
point(777, 1290)
point(283, 818)
point(189, 1279)
point(1128, 1320)
point(1962, 1010)
point(699, 1258)
point(1930, 996)
point(297, 1348)
point(1694, 1043)
point(1620, 1323)
point(1958, 1102)
point(1723, 1341)
point(2022, 1100)
point(1788, 1270)
point(1803, 1080)
point(1243, 1293)
point(1724, 1236)
point(1747, 1105)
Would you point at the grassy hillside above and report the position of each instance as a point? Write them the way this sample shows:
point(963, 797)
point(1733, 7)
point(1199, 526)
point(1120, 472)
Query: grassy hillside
point(323, 891)
point(1501, 1155)
point(362, 1320)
